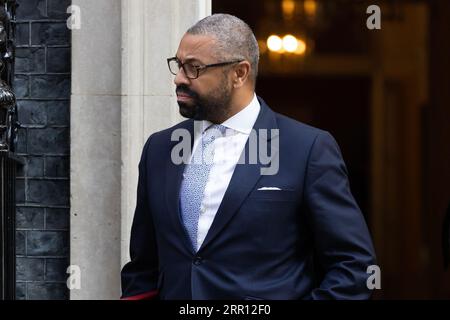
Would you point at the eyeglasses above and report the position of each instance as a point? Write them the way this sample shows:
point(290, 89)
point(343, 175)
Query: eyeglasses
point(190, 70)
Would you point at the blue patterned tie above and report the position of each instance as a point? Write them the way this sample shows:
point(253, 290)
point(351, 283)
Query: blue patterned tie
point(195, 177)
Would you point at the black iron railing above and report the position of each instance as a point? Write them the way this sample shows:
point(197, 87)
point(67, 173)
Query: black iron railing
point(8, 160)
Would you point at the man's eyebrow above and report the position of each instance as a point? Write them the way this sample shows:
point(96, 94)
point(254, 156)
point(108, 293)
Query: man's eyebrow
point(190, 60)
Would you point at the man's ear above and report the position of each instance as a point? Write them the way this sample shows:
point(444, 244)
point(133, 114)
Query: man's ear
point(241, 74)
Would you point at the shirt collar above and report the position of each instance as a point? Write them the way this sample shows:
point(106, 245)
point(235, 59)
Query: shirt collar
point(243, 121)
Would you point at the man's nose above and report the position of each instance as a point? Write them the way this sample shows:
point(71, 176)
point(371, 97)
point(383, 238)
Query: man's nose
point(181, 78)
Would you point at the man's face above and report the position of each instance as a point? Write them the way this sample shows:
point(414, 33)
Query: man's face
point(207, 97)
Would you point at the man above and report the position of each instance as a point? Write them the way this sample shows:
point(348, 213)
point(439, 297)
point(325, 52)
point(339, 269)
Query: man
point(223, 229)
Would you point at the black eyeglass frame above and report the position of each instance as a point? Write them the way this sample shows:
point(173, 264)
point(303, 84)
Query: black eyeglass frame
point(197, 68)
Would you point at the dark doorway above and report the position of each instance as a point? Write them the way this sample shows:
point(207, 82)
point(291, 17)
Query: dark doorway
point(383, 95)
point(337, 105)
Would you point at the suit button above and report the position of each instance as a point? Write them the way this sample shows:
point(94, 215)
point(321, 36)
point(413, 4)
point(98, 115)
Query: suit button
point(198, 261)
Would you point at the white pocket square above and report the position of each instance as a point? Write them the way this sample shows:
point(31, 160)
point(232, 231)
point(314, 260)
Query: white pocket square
point(269, 188)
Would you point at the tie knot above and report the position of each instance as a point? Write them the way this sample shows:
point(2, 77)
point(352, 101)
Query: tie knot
point(214, 131)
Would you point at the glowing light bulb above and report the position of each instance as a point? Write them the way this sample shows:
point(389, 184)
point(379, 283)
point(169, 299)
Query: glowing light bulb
point(310, 7)
point(290, 43)
point(274, 43)
point(288, 7)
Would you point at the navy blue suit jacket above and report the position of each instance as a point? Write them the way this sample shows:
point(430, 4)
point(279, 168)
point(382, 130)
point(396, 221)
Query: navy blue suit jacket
point(308, 240)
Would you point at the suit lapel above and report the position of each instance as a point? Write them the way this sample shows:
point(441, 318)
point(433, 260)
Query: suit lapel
point(243, 180)
point(174, 175)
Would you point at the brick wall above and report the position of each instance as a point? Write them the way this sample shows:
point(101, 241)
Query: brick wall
point(42, 87)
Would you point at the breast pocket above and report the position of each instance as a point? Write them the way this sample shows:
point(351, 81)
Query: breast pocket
point(274, 195)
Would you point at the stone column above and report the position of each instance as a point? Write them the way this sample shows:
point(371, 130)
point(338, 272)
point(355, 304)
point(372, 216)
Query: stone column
point(122, 91)
point(95, 149)
point(151, 33)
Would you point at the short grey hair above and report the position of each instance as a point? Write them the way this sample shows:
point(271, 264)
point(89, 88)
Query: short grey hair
point(234, 39)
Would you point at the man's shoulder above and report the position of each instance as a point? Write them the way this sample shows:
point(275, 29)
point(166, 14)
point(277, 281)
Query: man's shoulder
point(294, 129)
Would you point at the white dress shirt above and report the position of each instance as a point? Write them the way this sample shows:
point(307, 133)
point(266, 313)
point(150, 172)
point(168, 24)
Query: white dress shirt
point(227, 150)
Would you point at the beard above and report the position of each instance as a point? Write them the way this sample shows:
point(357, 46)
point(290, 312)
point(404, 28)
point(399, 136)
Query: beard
point(213, 107)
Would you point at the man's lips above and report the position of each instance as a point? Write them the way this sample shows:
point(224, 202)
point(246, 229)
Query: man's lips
point(183, 97)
